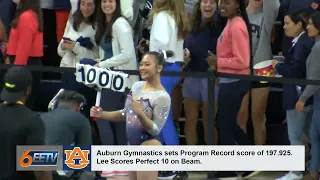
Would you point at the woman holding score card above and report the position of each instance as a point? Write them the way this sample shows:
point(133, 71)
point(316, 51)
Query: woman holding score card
point(146, 108)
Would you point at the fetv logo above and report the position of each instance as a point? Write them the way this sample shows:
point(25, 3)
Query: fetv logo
point(76, 158)
point(39, 158)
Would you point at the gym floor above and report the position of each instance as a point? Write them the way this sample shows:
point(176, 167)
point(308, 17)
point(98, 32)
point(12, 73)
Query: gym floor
point(203, 176)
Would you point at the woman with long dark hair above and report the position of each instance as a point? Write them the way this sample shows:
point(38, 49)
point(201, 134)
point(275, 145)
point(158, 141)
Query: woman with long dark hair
point(117, 51)
point(25, 45)
point(202, 38)
point(79, 36)
point(233, 56)
point(294, 66)
point(313, 68)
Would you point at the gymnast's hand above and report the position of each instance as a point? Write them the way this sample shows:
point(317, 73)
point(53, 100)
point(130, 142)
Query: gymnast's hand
point(137, 106)
point(96, 112)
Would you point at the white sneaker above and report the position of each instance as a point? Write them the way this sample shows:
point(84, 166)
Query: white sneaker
point(291, 176)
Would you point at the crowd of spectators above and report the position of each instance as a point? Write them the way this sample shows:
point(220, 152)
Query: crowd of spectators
point(229, 36)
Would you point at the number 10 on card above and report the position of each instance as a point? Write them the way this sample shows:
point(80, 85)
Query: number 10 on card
point(101, 78)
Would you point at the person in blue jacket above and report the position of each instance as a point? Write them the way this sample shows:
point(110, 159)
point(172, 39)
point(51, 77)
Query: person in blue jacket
point(282, 42)
point(294, 66)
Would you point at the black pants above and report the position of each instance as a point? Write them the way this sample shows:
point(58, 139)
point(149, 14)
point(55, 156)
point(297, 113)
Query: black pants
point(112, 133)
point(36, 75)
point(229, 102)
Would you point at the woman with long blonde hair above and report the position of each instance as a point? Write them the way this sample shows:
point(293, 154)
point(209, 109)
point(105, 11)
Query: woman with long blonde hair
point(170, 26)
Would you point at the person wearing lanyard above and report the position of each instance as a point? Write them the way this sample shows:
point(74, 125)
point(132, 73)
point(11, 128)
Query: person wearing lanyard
point(294, 66)
point(18, 124)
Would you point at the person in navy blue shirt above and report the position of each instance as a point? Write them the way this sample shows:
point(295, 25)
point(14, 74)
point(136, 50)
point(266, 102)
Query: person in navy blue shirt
point(282, 42)
point(202, 38)
point(294, 66)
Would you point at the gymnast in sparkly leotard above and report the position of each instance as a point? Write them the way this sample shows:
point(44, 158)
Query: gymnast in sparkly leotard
point(146, 108)
point(155, 106)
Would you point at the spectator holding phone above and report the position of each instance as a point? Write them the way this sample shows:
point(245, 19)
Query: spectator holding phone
point(79, 43)
point(78, 38)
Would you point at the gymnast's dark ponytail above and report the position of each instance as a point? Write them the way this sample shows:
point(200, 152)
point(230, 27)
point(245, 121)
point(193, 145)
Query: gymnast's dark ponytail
point(161, 56)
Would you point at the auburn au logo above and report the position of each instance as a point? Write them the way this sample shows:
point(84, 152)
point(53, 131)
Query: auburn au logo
point(77, 155)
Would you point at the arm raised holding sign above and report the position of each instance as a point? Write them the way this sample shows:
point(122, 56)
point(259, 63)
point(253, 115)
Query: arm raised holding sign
point(113, 115)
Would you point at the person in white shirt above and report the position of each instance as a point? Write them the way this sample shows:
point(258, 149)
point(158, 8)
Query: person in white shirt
point(170, 25)
point(126, 8)
point(78, 38)
point(78, 43)
point(116, 52)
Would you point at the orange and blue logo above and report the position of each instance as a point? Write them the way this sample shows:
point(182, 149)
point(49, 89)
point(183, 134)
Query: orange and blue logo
point(77, 158)
point(36, 158)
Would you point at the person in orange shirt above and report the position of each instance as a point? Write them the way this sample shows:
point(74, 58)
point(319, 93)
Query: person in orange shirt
point(25, 45)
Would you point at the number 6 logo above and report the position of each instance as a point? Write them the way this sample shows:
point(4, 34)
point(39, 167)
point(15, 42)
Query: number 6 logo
point(25, 156)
